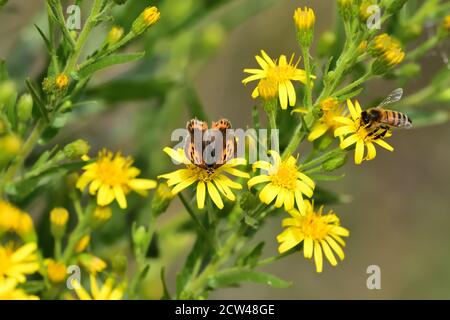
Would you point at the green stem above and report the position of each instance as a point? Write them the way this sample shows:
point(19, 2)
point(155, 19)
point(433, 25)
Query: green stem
point(27, 147)
point(353, 84)
point(297, 137)
point(320, 159)
point(90, 23)
point(58, 249)
point(422, 49)
point(308, 86)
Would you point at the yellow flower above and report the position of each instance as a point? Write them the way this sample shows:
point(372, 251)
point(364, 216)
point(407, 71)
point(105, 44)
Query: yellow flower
point(92, 263)
point(267, 89)
point(447, 23)
point(215, 181)
point(18, 263)
point(282, 73)
point(354, 132)
point(383, 43)
point(9, 217)
point(9, 291)
point(112, 177)
point(114, 35)
point(107, 291)
point(61, 81)
point(331, 109)
point(151, 15)
point(56, 271)
point(59, 216)
point(83, 243)
point(320, 234)
point(286, 183)
point(393, 57)
point(25, 225)
point(102, 214)
point(304, 19)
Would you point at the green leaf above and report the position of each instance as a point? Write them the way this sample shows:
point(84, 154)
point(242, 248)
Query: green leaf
point(166, 294)
point(427, 118)
point(186, 272)
point(38, 101)
point(324, 196)
point(108, 61)
point(130, 89)
point(251, 258)
point(350, 94)
point(234, 277)
point(47, 42)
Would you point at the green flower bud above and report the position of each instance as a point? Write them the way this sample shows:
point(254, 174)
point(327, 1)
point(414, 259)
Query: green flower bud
point(139, 236)
point(161, 200)
point(119, 263)
point(7, 90)
point(76, 149)
point(248, 201)
point(25, 107)
point(326, 43)
point(114, 35)
point(337, 161)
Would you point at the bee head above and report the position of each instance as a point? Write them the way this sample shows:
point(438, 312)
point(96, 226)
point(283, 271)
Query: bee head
point(365, 117)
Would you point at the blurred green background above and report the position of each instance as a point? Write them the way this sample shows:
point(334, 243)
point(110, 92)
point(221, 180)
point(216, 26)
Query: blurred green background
point(399, 213)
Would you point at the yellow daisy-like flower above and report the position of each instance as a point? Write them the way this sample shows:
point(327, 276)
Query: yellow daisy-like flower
point(105, 291)
point(331, 108)
point(9, 291)
point(112, 177)
point(215, 181)
point(56, 271)
point(320, 234)
point(285, 183)
point(282, 73)
point(18, 263)
point(355, 133)
point(447, 23)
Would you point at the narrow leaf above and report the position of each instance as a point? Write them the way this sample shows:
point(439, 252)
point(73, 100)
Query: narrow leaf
point(107, 62)
point(234, 277)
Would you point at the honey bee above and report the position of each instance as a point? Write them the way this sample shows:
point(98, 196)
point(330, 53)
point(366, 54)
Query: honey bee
point(205, 152)
point(379, 121)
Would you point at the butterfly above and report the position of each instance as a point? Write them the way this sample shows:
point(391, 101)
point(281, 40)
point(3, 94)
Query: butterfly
point(210, 148)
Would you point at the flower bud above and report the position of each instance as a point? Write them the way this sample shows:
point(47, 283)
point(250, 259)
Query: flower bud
point(7, 90)
point(387, 60)
point(58, 220)
point(304, 21)
point(139, 235)
point(61, 81)
point(114, 35)
point(76, 149)
point(25, 107)
point(83, 243)
point(326, 43)
point(101, 215)
point(92, 263)
point(10, 145)
point(25, 228)
point(145, 20)
point(161, 200)
point(56, 271)
point(346, 9)
point(337, 161)
point(119, 263)
point(446, 24)
point(248, 201)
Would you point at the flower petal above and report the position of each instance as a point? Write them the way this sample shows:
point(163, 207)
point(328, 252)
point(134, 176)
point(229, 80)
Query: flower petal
point(359, 151)
point(201, 194)
point(214, 194)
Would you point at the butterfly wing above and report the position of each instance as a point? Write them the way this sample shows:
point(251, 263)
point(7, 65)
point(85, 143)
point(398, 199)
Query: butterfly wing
point(228, 147)
point(195, 143)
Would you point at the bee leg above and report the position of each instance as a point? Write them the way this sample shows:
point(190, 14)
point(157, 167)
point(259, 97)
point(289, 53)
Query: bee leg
point(383, 133)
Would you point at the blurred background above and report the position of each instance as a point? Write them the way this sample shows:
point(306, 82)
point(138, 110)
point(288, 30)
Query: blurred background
point(398, 211)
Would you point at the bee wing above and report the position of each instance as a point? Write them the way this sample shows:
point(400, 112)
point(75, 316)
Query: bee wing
point(393, 97)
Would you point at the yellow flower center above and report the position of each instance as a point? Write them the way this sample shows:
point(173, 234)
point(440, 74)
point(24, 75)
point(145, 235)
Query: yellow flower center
point(202, 174)
point(281, 73)
point(285, 176)
point(113, 171)
point(315, 226)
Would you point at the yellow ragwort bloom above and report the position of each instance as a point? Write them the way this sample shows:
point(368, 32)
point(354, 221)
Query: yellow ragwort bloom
point(267, 89)
point(107, 291)
point(320, 234)
point(151, 15)
point(56, 271)
point(447, 23)
point(18, 263)
point(383, 43)
point(112, 177)
point(304, 18)
point(59, 217)
point(354, 132)
point(331, 108)
point(83, 243)
point(9, 291)
point(92, 263)
point(215, 181)
point(9, 217)
point(285, 182)
point(393, 57)
point(282, 73)
point(61, 81)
